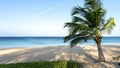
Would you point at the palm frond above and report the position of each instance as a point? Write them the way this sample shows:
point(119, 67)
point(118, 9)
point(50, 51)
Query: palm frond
point(78, 10)
point(78, 29)
point(74, 42)
point(93, 4)
point(70, 24)
point(89, 3)
point(109, 25)
point(69, 37)
point(80, 20)
point(78, 39)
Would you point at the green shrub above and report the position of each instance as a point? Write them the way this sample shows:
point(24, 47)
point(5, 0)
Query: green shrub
point(43, 64)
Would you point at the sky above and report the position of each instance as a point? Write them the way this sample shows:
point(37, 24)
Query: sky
point(46, 17)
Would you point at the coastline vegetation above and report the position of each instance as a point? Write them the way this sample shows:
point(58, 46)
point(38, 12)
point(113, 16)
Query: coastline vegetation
point(43, 64)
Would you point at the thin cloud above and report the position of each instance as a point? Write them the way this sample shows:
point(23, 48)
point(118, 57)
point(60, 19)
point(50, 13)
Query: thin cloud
point(45, 11)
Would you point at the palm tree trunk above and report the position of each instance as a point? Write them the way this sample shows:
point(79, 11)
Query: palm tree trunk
point(100, 52)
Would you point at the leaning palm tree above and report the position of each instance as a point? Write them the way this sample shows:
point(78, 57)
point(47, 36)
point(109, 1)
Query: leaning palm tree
point(89, 23)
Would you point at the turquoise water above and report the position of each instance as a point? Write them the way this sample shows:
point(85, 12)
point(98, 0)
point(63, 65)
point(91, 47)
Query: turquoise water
point(6, 42)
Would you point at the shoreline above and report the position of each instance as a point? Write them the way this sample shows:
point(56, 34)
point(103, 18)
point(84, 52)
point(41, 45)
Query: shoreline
point(36, 46)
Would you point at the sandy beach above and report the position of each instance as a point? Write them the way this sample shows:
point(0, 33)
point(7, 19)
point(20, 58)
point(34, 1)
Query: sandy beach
point(82, 54)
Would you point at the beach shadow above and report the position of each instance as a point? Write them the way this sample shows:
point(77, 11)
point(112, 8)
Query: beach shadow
point(47, 54)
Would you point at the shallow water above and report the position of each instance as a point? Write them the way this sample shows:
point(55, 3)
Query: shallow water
point(48, 41)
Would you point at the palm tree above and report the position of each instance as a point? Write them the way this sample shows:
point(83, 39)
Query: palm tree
point(89, 23)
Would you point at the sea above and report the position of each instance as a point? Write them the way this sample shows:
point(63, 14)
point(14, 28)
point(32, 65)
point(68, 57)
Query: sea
point(10, 42)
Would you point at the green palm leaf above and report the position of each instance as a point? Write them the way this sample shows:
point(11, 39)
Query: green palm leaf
point(108, 27)
point(80, 20)
point(78, 11)
point(69, 37)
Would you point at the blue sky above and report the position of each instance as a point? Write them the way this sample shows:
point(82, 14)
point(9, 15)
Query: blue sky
point(45, 17)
